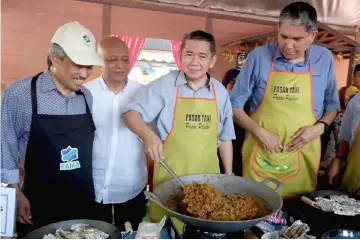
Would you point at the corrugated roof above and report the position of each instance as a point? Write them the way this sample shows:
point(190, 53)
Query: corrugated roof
point(157, 44)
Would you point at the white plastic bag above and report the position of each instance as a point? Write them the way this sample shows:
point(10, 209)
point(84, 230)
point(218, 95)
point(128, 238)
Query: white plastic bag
point(148, 230)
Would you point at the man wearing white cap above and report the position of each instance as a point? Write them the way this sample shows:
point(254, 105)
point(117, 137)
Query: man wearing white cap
point(46, 119)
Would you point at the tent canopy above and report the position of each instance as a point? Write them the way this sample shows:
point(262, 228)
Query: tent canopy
point(334, 12)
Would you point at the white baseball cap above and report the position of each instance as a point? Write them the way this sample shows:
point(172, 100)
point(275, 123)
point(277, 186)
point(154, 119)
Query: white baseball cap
point(78, 43)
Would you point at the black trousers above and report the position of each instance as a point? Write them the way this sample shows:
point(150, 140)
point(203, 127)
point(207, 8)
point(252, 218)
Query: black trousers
point(131, 211)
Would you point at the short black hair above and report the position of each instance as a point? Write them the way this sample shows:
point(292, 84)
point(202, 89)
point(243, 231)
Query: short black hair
point(357, 69)
point(300, 14)
point(202, 36)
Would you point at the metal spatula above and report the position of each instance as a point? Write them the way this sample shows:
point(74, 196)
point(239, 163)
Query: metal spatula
point(172, 173)
point(168, 169)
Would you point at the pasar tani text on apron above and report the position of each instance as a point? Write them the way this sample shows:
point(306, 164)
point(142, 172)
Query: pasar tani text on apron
point(286, 107)
point(191, 146)
point(58, 168)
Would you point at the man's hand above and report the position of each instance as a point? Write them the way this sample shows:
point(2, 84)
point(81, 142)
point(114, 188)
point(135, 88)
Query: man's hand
point(333, 171)
point(23, 208)
point(270, 142)
point(305, 135)
point(153, 147)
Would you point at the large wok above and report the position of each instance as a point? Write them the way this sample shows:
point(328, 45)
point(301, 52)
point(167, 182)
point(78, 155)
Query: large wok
point(51, 228)
point(227, 184)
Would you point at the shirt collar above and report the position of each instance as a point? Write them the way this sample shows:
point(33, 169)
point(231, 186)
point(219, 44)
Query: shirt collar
point(181, 79)
point(47, 83)
point(106, 88)
point(303, 63)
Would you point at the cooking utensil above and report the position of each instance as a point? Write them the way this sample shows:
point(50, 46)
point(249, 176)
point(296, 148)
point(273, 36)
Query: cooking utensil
point(51, 228)
point(309, 202)
point(128, 230)
point(341, 234)
point(167, 168)
point(267, 198)
point(172, 173)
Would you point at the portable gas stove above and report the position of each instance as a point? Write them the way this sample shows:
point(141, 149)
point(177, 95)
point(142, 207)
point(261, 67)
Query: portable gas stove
point(194, 233)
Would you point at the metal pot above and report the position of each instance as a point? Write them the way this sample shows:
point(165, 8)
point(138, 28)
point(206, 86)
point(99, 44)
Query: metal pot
point(341, 234)
point(51, 228)
point(227, 184)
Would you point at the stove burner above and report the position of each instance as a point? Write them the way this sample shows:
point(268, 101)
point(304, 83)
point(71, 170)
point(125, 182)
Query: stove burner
point(193, 233)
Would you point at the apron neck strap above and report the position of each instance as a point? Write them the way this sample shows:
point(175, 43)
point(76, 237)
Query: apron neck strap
point(33, 93)
point(79, 92)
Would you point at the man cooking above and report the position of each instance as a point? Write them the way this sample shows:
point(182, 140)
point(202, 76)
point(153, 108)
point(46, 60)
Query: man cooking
point(193, 115)
point(293, 100)
point(119, 162)
point(46, 118)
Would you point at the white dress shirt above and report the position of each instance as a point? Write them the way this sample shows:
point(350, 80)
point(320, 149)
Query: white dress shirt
point(119, 162)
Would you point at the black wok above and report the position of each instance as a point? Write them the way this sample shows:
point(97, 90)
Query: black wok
point(320, 221)
point(51, 228)
point(226, 184)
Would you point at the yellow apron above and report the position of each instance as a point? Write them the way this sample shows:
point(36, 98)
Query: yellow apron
point(287, 106)
point(191, 146)
point(351, 179)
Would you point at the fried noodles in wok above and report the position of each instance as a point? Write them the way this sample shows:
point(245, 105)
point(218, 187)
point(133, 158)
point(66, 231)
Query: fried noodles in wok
point(202, 200)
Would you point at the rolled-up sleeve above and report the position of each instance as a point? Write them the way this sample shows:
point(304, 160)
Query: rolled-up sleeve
point(331, 101)
point(228, 131)
point(347, 130)
point(149, 101)
point(244, 83)
point(11, 123)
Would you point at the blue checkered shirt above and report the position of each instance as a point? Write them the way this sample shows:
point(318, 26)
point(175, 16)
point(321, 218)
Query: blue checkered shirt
point(16, 113)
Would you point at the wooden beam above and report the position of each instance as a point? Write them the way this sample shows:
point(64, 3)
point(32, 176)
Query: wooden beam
point(338, 34)
point(322, 37)
point(208, 25)
point(199, 11)
point(331, 47)
point(249, 39)
point(351, 68)
point(334, 44)
point(106, 20)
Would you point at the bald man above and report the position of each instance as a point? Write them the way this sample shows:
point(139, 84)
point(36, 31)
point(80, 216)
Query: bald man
point(119, 162)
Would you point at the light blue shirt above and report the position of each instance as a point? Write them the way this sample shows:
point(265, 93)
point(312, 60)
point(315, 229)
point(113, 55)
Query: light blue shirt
point(350, 120)
point(252, 80)
point(156, 102)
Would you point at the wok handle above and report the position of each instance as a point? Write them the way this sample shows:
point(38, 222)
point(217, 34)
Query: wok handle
point(152, 197)
point(276, 182)
point(309, 202)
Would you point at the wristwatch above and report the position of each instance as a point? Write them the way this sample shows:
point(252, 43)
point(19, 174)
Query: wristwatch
point(326, 125)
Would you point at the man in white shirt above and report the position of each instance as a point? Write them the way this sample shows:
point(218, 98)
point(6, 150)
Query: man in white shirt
point(119, 162)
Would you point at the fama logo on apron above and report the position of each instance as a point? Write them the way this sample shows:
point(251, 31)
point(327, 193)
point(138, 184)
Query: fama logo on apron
point(68, 156)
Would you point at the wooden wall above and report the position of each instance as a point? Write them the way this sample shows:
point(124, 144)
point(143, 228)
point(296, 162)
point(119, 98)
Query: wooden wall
point(28, 25)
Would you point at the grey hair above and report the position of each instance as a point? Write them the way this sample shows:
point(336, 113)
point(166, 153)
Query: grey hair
point(59, 52)
point(300, 14)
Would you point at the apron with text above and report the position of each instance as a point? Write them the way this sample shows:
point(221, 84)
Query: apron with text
point(58, 166)
point(286, 107)
point(351, 179)
point(191, 146)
